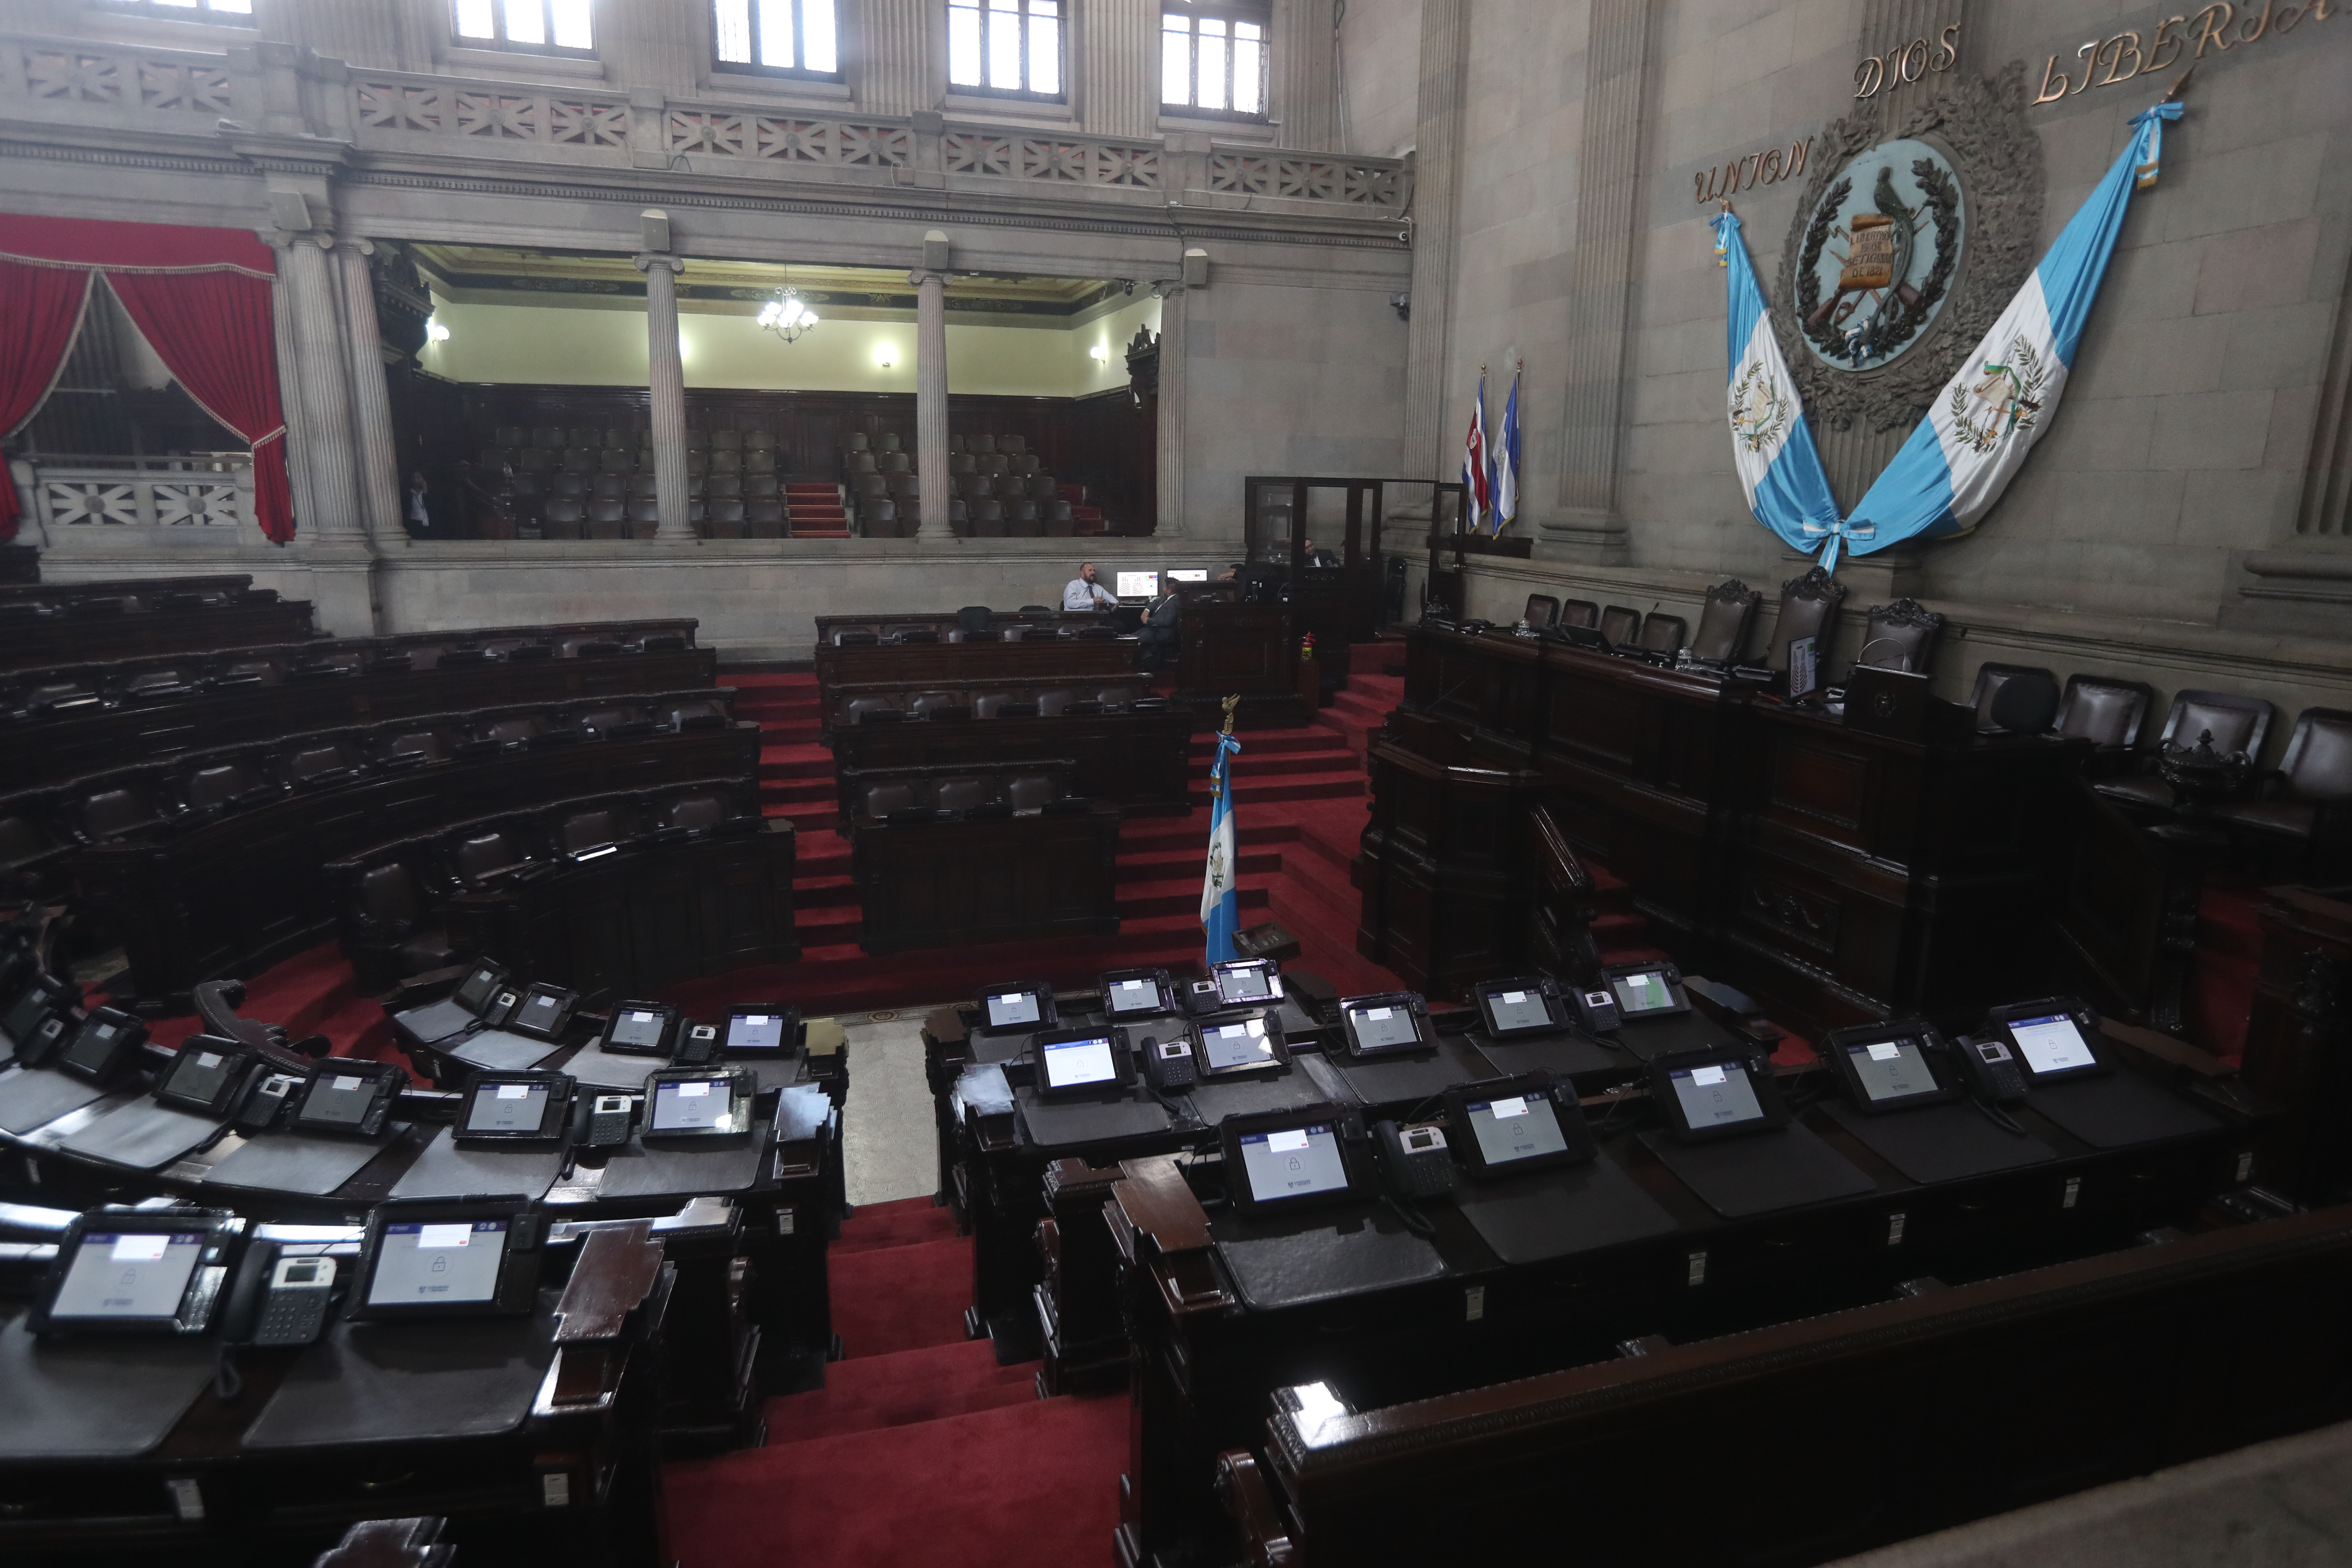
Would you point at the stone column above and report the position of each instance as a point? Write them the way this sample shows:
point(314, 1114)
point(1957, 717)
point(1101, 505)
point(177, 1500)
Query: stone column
point(666, 379)
point(1117, 68)
point(1601, 276)
point(1437, 167)
point(289, 388)
point(931, 393)
point(1306, 85)
point(1173, 376)
point(379, 461)
point(326, 397)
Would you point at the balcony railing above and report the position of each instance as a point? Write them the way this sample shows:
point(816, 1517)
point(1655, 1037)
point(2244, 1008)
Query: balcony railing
point(209, 491)
point(56, 82)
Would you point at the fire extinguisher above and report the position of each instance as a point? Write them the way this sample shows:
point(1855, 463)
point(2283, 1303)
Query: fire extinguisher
point(1306, 647)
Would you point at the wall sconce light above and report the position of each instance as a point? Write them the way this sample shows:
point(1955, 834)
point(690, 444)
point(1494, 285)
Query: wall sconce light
point(436, 332)
point(1099, 354)
point(887, 357)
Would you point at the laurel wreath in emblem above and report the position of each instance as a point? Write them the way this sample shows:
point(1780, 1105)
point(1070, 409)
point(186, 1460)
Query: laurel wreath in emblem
point(1899, 323)
point(2005, 399)
point(1756, 423)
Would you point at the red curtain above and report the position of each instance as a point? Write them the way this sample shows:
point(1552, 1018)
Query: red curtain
point(39, 309)
point(201, 296)
point(213, 333)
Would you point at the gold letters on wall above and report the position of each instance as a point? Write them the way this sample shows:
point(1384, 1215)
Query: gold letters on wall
point(2219, 26)
point(1755, 169)
point(1914, 59)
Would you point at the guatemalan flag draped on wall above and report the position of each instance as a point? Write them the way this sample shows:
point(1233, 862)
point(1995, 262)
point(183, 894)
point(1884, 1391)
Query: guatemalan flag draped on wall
point(1771, 444)
point(1961, 457)
point(1220, 886)
point(1979, 429)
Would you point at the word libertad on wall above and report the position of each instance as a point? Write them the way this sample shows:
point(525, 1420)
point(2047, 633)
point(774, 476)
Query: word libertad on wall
point(2220, 27)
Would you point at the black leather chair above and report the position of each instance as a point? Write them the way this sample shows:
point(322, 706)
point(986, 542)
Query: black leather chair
point(1619, 625)
point(1808, 609)
point(1030, 792)
point(1991, 677)
point(391, 930)
point(962, 794)
point(2300, 809)
point(1901, 636)
point(1662, 633)
point(1725, 620)
point(1578, 613)
point(2235, 724)
point(2107, 714)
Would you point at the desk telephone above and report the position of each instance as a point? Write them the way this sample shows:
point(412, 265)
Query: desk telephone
point(1597, 1010)
point(265, 1102)
point(1991, 1070)
point(698, 1047)
point(609, 1119)
point(1414, 1160)
point(1168, 1065)
point(278, 1300)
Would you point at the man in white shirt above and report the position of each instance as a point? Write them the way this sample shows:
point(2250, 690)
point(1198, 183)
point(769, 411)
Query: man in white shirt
point(1083, 592)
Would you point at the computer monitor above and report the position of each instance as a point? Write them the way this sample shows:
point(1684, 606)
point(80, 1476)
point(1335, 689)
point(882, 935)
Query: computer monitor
point(1890, 1066)
point(472, 1260)
point(1505, 1126)
point(1385, 1023)
point(1278, 1162)
point(515, 1108)
point(1716, 1093)
point(638, 1028)
point(205, 1076)
point(761, 1031)
point(1083, 1063)
point(136, 1273)
point(1231, 1047)
point(2051, 1037)
point(1522, 1005)
point(1188, 574)
point(1138, 584)
point(699, 1103)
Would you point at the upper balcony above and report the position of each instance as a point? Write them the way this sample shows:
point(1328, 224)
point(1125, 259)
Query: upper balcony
point(53, 89)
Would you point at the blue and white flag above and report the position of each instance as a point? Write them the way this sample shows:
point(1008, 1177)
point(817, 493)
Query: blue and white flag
point(1221, 901)
point(1771, 444)
point(1506, 487)
point(1961, 457)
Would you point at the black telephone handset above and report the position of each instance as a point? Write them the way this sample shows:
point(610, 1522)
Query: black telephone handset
point(278, 1300)
point(1991, 1070)
point(1414, 1162)
point(1168, 1065)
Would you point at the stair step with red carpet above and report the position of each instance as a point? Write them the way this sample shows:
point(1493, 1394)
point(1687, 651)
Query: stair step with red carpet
point(1021, 1486)
point(814, 512)
point(903, 1222)
point(869, 1393)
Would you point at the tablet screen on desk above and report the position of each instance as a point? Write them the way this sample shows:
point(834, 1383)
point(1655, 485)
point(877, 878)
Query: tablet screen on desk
point(1229, 1048)
point(200, 1071)
point(1890, 1072)
point(423, 1263)
point(95, 1048)
point(1715, 1095)
point(1070, 1064)
point(124, 1277)
point(1012, 1007)
point(755, 1032)
point(540, 1010)
point(1520, 1009)
point(2051, 1045)
point(1135, 995)
point(479, 987)
point(1293, 1163)
point(693, 1105)
point(1244, 982)
point(1385, 1028)
point(1518, 1127)
point(508, 1108)
point(633, 1029)
point(339, 1099)
point(1644, 992)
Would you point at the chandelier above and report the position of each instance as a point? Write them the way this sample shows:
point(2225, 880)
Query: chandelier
point(786, 316)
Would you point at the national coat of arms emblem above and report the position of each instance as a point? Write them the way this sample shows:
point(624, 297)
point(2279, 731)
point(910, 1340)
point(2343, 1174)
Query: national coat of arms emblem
point(2005, 399)
point(1760, 408)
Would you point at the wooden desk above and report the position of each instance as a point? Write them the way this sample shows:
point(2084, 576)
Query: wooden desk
point(1229, 648)
point(1207, 1359)
point(953, 884)
point(916, 665)
point(53, 639)
point(1139, 762)
point(1850, 874)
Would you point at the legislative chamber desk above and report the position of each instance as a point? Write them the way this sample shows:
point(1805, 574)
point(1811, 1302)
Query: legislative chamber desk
point(755, 1216)
point(165, 627)
point(981, 879)
point(534, 1435)
point(1140, 761)
point(987, 657)
point(1857, 874)
point(1556, 1268)
point(1230, 648)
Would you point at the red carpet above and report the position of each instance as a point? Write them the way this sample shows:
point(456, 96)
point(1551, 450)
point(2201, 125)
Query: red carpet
point(920, 1448)
point(813, 512)
point(2222, 980)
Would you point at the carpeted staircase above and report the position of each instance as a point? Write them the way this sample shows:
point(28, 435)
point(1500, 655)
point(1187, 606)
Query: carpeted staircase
point(1300, 794)
point(813, 512)
point(919, 1448)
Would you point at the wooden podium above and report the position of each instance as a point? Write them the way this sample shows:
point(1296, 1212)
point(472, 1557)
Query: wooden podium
point(1230, 648)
